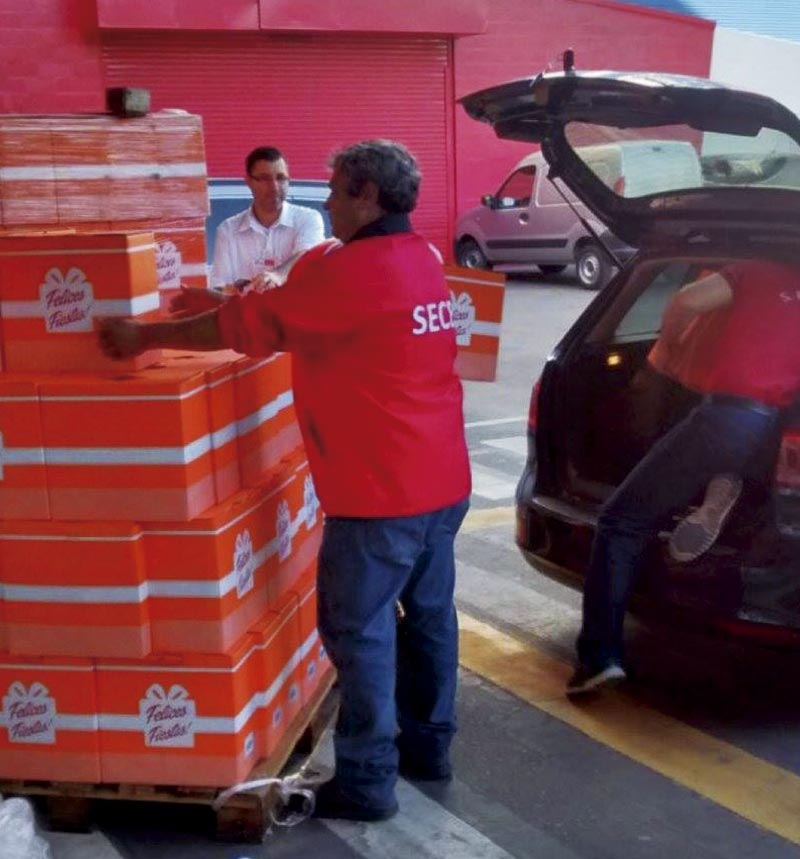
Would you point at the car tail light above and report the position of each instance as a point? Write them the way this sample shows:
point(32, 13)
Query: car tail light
point(787, 471)
point(533, 409)
point(619, 187)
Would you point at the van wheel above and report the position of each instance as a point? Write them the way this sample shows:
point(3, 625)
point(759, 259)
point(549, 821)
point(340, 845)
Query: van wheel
point(469, 254)
point(551, 269)
point(592, 266)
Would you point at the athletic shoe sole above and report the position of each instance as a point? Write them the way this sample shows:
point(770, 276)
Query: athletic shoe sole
point(611, 675)
point(698, 532)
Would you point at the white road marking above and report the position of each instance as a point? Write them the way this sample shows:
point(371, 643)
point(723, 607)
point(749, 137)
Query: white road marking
point(495, 421)
point(422, 829)
point(91, 845)
point(491, 483)
point(517, 444)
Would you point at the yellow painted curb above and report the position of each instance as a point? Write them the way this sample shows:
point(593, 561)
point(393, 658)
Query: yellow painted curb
point(752, 788)
point(489, 517)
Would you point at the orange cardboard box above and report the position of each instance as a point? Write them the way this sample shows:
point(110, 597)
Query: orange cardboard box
point(53, 287)
point(278, 635)
point(23, 483)
point(315, 663)
point(212, 578)
point(477, 313)
point(49, 719)
point(181, 719)
point(134, 447)
point(267, 424)
point(218, 369)
point(74, 588)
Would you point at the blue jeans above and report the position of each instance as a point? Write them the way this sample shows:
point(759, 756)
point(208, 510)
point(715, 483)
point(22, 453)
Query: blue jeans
point(365, 567)
point(715, 437)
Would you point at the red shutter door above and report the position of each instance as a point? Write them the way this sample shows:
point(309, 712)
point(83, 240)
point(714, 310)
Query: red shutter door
point(308, 95)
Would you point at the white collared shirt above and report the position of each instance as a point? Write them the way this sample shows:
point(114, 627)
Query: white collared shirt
point(244, 247)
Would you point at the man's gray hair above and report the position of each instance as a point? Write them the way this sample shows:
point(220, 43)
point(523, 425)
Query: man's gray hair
point(389, 165)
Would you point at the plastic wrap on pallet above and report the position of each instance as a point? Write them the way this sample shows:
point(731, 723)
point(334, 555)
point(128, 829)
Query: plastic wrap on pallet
point(97, 168)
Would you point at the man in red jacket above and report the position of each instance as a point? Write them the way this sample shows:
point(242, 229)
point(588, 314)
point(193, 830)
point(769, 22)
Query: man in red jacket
point(369, 325)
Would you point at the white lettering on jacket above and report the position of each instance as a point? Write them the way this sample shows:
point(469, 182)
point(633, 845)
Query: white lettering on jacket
point(433, 317)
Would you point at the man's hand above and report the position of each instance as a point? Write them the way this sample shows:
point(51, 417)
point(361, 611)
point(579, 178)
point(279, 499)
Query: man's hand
point(120, 338)
point(264, 281)
point(191, 301)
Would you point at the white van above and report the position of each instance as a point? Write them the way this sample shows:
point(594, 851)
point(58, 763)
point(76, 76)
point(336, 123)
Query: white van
point(528, 224)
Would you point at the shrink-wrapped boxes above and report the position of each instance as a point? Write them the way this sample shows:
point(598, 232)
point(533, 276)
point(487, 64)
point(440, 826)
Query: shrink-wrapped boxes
point(211, 578)
point(181, 719)
point(75, 169)
point(49, 724)
point(132, 447)
point(53, 287)
point(267, 424)
point(74, 588)
point(278, 634)
point(28, 182)
point(23, 484)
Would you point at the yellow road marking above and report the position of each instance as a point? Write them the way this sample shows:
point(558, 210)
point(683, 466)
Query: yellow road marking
point(752, 788)
point(489, 517)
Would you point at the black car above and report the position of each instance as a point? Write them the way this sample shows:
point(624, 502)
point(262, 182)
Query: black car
point(596, 410)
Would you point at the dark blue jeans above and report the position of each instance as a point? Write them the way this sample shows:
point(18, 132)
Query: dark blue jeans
point(715, 437)
point(365, 567)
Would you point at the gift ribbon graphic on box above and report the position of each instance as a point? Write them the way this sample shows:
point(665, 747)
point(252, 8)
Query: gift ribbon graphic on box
point(66, 300)
point(463, 312)
point(30, 726)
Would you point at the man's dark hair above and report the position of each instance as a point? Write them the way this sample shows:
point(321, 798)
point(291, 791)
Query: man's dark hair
point(389, 165)
point(262, 153)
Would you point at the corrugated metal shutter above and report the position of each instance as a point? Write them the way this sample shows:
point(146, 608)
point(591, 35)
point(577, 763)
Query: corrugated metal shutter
point(308, 95)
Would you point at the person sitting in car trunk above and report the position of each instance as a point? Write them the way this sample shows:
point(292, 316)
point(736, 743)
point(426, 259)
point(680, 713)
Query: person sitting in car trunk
point(743, 322)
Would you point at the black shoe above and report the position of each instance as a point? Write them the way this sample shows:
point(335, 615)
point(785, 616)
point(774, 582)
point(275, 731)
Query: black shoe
point(587, 679)
point(332, 804)
point(415, 769)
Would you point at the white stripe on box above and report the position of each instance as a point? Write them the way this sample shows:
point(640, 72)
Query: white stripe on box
point(91, 251)
point(223, 436)
point(213, 724)
point(475, 280)
point(121, 398)
point(104, 171)
point(72, 538)
point(199, 269)
point(135, 306)
point(488, 329)
point(21, 455)
point(77, 594)
point(265, 413)
point(263, 362)
point(128, 455)
point(65, 721)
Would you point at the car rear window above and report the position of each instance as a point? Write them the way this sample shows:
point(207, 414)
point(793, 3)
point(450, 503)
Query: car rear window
point(637, 162)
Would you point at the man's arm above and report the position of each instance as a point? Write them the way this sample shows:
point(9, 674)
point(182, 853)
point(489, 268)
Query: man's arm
point(123, 338)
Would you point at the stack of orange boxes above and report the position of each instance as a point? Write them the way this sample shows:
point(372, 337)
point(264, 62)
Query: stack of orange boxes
point(158, 522)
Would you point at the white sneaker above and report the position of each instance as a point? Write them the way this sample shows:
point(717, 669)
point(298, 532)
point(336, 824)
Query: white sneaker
point(698, 531)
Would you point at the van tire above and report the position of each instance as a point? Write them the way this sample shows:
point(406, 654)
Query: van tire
point(592, 266)
point(469, 254)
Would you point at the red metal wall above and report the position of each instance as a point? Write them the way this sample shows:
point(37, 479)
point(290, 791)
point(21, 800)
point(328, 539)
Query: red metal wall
point(307, 94)
point(526, 35)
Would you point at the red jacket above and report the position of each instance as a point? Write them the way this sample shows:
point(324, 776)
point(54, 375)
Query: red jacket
point(380, 408)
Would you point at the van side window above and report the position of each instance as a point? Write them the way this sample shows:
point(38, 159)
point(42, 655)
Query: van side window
point(515, 192)
point(547, 194)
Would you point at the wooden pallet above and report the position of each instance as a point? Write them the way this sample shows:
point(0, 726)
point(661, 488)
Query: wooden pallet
point(243, 817)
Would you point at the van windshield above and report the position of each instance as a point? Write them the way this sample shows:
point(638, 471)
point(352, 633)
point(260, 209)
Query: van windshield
point(637, 162)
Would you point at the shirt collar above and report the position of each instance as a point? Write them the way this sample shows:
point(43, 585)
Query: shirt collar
point(251, 222)
point(386, 225)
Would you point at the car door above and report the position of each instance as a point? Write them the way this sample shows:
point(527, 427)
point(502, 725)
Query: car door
point(507, 230)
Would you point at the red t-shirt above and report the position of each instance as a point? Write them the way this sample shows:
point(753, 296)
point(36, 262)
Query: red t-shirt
point(379, 405)
point(751, 348)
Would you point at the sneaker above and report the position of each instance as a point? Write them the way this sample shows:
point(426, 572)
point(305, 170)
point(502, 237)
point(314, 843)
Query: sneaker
point(698, 531)
point(590, 679)
point(415, 769)
point(332, 804)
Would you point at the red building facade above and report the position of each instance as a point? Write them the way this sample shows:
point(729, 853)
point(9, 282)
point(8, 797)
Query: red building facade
point(311, 76)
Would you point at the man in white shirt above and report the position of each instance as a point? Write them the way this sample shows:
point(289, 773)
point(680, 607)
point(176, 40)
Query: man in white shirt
point(260, 244)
